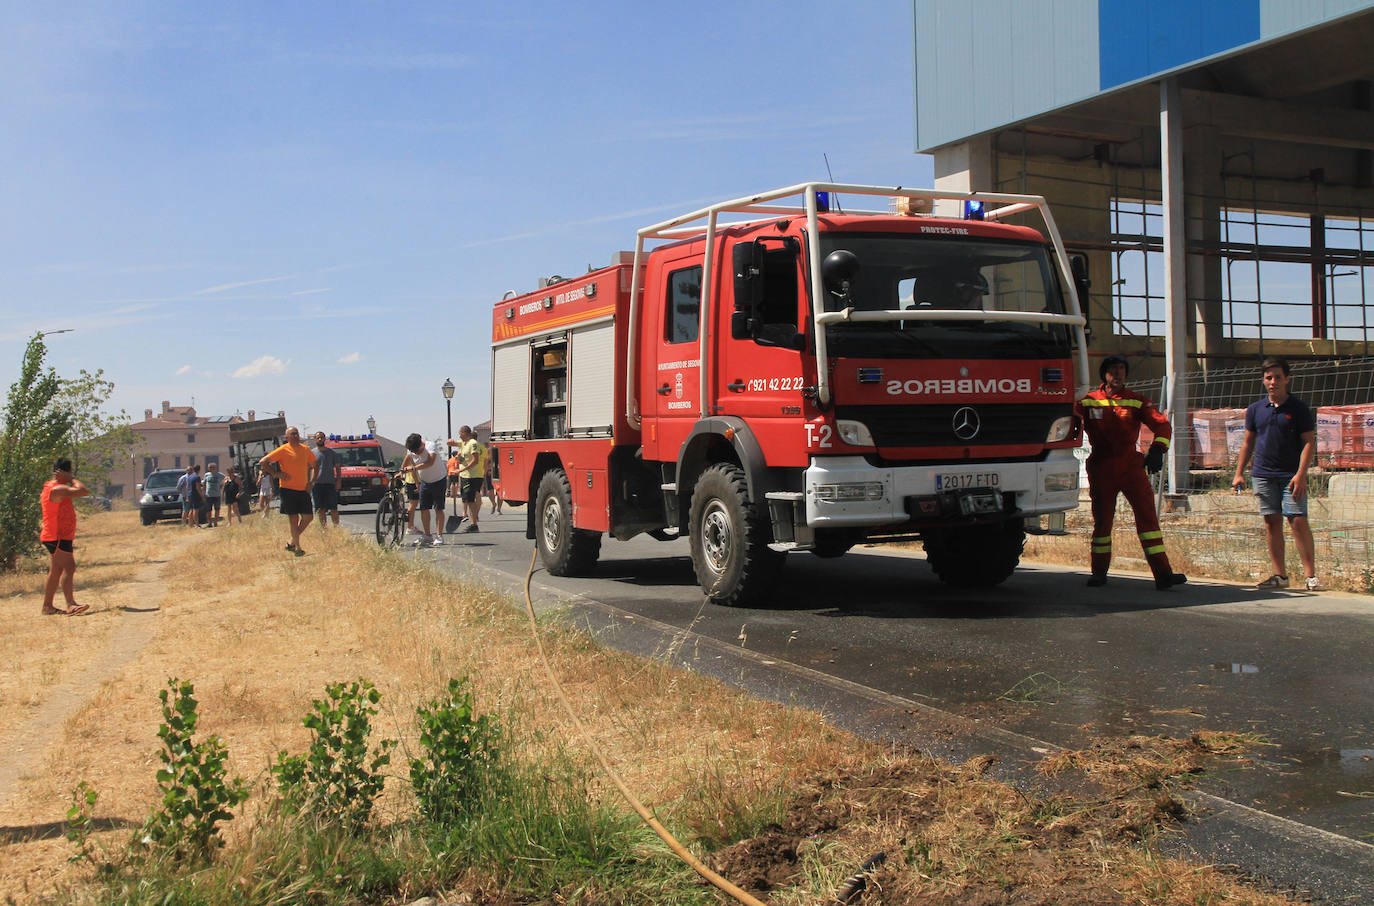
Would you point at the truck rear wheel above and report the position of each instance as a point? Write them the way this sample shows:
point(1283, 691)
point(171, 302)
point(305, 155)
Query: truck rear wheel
point(976, 556)
point(730, 551)
point(566, 551)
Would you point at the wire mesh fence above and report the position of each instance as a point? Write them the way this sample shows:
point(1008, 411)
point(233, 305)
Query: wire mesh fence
point(1210, 529)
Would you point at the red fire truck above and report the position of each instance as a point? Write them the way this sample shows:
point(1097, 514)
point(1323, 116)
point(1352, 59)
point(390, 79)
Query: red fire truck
point(773, 374)
point(362, 468)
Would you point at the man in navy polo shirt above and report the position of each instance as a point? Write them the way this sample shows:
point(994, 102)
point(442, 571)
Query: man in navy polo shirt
point(1282, 434)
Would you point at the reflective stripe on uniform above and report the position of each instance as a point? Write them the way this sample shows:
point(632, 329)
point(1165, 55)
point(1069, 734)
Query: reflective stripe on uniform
point(1163, 441)
point(1128, 404)
point(1156, 549)
point(1149, 536)
point(1102, 545)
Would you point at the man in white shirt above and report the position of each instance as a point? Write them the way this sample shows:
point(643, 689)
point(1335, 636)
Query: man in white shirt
point(431, 470)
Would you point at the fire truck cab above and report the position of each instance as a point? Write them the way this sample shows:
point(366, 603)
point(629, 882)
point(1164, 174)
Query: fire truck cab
point(800, 378)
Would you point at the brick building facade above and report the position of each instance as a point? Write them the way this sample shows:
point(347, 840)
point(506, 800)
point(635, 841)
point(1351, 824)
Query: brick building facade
point(174, 438)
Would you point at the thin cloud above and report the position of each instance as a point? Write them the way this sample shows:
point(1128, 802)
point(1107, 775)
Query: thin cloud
point(227, 286)
point(588, 221)
point(311, 292)
point(262, 366)
point(183, 369)
point(351, 358)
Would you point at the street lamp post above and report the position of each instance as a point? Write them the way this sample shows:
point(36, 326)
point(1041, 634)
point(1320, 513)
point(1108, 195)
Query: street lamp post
point(372, 426)
point(448, 389)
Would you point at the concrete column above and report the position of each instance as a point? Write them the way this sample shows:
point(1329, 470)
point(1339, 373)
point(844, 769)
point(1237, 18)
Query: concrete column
point(1175, 276)
point(1202, 174)
point(966, 166)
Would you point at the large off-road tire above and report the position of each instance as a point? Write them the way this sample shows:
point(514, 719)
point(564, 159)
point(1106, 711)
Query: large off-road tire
point(976, 556)
point(390, 522)
point(147, 518)
point(730, 551)
point(566, 551)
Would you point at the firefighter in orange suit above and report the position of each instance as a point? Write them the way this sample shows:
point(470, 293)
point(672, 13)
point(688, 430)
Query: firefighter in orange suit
point(1112, 416)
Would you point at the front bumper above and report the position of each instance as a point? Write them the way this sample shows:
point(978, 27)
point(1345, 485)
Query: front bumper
point(848, 492)
point(160, 510)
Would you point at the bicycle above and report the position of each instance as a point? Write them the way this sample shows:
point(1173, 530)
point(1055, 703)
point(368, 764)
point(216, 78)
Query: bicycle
point(391, 513)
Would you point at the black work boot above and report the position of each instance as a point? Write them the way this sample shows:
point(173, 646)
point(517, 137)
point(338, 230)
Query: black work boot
point(1164, 583)
point(1096, 581)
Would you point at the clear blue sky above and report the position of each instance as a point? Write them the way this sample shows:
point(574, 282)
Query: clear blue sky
point(314, 206)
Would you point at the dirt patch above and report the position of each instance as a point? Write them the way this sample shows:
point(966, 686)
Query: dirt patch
point(939, 835)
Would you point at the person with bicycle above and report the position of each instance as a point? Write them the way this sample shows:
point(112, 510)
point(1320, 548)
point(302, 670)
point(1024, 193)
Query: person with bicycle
point(431, 470)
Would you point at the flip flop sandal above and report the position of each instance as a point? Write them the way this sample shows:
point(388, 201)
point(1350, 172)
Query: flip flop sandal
point(1274, 581)
point(76, 609)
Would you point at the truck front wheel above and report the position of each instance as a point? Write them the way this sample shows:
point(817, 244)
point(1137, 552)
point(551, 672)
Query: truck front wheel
point(566, 551)
point(976, 556)
point(730, 551)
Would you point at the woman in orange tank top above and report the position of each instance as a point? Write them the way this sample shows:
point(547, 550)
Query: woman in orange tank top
point(58, 534)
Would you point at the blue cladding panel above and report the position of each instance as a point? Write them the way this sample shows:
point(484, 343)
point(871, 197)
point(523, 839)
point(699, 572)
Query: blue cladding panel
point(1139, 38)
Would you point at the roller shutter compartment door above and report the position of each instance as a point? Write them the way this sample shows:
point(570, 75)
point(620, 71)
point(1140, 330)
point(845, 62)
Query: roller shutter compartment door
point(591, 381)
point(510, 389)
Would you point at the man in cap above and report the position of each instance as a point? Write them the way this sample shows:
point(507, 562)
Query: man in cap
point(1112, 416)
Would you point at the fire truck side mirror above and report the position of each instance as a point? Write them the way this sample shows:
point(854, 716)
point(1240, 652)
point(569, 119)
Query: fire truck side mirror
point(747, 260)
point(748, 265)
point(739, 325)
point(1078, 263)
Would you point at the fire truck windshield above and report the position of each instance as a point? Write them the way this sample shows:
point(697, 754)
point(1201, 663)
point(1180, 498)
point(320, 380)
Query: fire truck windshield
point(911, 273)
point(359, 456)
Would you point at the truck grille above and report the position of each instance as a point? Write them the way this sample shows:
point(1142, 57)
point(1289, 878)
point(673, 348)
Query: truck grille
point(933, 426)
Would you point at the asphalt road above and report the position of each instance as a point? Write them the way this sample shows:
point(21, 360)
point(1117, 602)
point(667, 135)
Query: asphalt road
point(879, 645)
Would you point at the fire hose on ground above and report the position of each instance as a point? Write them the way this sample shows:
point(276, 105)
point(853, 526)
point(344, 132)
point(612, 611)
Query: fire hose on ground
point(851, 886)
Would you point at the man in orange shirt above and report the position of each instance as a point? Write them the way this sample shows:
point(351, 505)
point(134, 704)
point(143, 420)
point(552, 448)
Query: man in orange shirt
point(58, 535)
point(295, 467)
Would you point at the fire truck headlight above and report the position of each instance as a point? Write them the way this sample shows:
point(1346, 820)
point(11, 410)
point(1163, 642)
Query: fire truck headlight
point(1061, 481)
point(1060, 430)
point(849, 492)
point(854, 433)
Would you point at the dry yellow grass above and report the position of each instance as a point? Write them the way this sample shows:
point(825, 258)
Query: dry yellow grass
point(260, 634)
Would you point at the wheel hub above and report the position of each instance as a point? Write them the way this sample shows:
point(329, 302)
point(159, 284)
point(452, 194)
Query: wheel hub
point(551, 521)
point(716, 536)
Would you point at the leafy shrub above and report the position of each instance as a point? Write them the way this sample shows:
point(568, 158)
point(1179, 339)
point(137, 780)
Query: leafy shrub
point(334, 779)
point(195, 795)
point(461, 750)
point(80, 820)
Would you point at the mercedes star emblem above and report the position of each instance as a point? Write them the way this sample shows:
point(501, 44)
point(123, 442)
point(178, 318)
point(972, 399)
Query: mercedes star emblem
point(966, 423)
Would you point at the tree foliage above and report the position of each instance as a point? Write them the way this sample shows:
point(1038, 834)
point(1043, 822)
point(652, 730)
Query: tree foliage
point(98, 441)
point(35, 434)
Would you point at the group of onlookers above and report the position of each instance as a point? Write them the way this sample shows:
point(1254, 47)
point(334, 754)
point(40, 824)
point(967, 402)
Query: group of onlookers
point(204, 497)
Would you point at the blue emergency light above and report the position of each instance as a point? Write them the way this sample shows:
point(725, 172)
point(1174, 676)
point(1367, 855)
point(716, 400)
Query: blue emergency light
point(973, 209)
point(823, 202)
